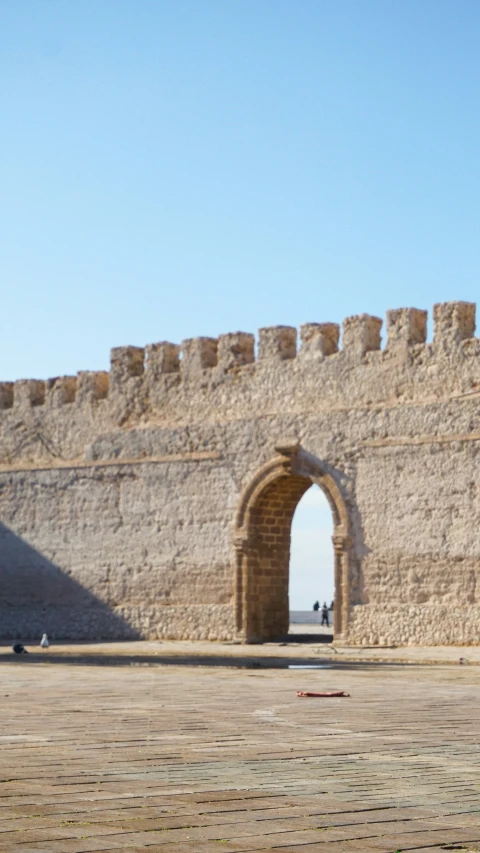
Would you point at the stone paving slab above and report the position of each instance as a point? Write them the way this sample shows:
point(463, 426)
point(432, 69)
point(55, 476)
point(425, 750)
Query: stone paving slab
point(172, 758)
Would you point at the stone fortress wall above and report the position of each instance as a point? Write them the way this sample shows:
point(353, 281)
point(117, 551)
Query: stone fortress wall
point(156, 500)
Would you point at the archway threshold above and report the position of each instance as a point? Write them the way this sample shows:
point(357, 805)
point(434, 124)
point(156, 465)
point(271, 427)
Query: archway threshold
point(307, 638)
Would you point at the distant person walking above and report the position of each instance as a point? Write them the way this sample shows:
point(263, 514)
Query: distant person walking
point(325, 620)
point(316, 606)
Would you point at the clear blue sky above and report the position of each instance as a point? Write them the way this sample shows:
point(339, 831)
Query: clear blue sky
point(311, 552)
point(172, 168)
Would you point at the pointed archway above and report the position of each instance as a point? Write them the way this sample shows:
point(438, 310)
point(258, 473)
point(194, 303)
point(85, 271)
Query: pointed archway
point(262, 543)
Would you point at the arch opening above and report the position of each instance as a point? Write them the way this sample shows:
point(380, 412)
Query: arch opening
point(263, 538)
point(311, 587)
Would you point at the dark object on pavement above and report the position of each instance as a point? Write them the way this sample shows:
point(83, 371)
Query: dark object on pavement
point(19, 649)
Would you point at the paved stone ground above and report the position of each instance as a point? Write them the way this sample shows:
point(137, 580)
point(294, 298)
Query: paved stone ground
point(313, 627)
point(173, 758)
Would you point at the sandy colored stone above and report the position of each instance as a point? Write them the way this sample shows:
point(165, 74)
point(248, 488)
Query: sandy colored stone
point(156, 501)
point(175, 758)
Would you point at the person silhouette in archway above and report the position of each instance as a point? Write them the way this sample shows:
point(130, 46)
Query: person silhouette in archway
point(325, 620)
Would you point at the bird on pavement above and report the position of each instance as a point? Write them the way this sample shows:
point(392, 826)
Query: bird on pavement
point(19, 649)
point(44, 642)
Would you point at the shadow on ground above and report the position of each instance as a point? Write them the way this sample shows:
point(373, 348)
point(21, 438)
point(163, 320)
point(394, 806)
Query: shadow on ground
point(307, 638)
point(237, 662)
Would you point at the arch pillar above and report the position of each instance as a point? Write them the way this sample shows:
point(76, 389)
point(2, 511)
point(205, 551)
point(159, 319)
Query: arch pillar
point(262, 543)
point(341, 550)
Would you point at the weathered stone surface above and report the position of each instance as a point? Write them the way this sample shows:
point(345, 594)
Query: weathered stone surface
point(156, 501)
point(319, 338)
point(174, 759)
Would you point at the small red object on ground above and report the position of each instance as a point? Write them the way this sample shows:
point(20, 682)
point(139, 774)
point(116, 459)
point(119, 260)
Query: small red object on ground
point(328, 694)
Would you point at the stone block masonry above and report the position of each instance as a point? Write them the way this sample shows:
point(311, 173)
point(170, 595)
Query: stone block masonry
point(156, 499)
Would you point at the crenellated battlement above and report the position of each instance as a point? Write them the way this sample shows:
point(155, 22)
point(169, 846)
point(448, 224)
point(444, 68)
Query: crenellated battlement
point(137, 371)
point(157, 497)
